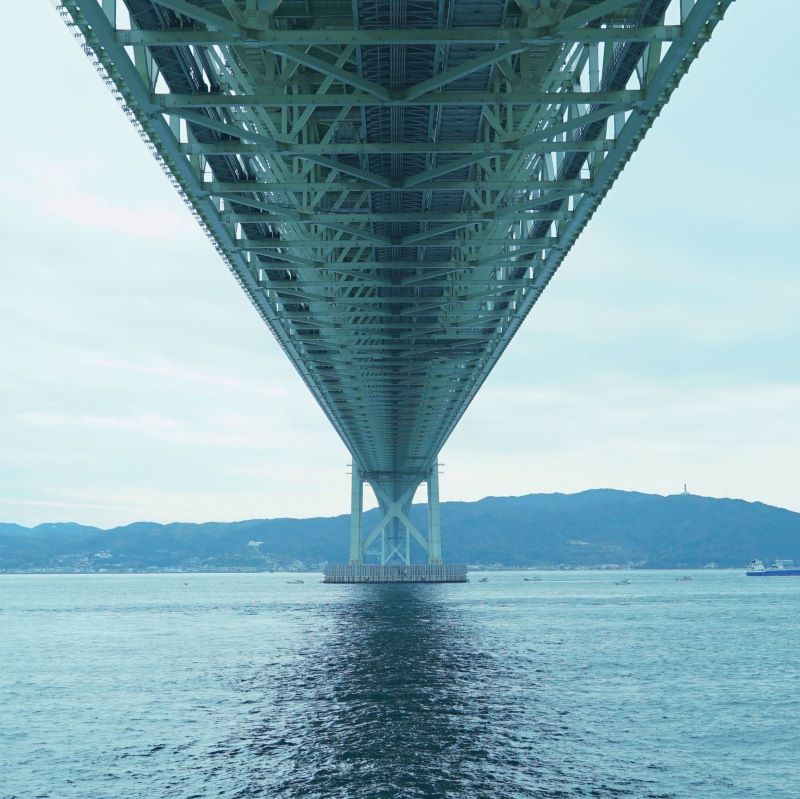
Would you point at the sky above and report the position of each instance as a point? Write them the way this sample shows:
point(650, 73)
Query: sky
point(137, 382)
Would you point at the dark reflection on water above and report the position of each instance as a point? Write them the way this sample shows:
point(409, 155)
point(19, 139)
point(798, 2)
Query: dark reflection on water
point(404, 697)
point(393, 704)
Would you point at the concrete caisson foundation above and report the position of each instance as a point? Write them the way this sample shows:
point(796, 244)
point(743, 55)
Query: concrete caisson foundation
point(396, 573)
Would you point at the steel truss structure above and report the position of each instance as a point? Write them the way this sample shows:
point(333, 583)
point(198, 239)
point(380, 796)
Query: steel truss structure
point(393, 182)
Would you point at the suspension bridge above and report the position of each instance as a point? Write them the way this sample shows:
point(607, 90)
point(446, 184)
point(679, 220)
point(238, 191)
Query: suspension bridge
point(393, 183)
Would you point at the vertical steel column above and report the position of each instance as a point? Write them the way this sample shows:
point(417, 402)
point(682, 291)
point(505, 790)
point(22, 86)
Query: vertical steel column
point(434, 522)
point(356, 516)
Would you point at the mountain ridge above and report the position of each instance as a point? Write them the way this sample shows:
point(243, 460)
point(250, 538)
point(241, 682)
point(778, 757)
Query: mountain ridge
point(597, 527)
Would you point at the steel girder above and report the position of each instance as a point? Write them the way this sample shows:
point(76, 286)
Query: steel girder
point(393, 182)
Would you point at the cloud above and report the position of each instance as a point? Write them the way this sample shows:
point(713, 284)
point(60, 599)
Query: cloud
point(60, 193)
point(153, 424)
point(168, 370)
point(182, 374)
point(47, 503)
point(80, 207)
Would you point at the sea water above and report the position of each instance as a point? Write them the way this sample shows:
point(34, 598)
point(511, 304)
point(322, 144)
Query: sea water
point(243, 685)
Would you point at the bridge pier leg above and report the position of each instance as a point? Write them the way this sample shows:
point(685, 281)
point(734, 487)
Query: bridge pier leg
point(392, 536)
point(356, 516)
point(434, 519)
point(395, 529)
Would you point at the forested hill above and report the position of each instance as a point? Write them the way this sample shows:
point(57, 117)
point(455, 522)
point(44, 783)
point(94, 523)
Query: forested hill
point(590, 528)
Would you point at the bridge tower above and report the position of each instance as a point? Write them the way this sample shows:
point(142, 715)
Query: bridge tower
point(395, 529)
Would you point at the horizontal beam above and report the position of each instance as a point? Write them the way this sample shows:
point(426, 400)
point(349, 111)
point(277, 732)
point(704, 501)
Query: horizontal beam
point(328, 244)
point(363, 268)
point(396, 184)
point(526, 97)
point(307, 37)
point(417, 148)
point(467, 218)
point(474, 318)
point(357, 301)
point(426, 269)
point(354, 284)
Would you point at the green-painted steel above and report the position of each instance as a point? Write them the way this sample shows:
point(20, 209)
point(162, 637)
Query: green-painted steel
point(393, 182)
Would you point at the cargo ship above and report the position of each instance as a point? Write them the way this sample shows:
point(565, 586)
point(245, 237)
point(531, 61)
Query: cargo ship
point(779, 568)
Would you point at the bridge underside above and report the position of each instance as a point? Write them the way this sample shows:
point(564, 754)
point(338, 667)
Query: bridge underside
point(393, 182)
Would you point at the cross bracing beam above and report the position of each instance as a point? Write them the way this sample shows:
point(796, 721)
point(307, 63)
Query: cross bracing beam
point(394, 225)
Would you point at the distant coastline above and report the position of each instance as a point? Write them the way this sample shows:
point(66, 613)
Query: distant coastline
point(470, 567)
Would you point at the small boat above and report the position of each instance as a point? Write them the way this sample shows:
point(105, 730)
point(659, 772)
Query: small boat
point(779, 568)
point(532, 579)
point(295, 582)
point(484, 580)
point(684, 579)
point(623, 581)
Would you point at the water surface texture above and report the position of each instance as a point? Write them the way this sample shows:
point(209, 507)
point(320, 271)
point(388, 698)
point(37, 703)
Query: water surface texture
point(241, 685)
